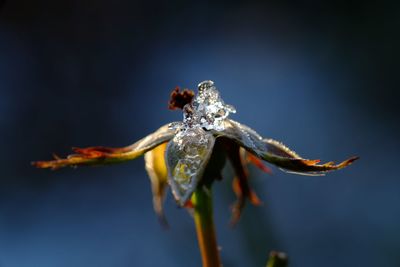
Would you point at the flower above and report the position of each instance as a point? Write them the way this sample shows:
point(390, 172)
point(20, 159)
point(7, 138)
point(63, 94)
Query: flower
point(192, 153)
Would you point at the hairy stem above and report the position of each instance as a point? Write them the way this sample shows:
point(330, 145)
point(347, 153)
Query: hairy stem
point(203, 217)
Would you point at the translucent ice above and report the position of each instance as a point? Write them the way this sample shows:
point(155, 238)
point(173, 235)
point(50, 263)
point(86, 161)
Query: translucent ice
point(208, 110)
point(193, 146)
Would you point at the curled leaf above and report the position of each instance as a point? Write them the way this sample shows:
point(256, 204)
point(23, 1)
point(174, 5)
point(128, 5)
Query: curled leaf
point(187, 156)
point(106, 155)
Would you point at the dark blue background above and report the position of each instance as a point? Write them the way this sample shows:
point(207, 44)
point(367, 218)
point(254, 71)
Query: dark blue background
point(320, 76)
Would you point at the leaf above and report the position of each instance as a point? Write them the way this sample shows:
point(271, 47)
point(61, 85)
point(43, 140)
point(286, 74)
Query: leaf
point(105, 155)
point(187, 156)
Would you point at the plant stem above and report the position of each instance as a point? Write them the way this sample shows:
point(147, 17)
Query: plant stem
point(203, 218)
point(277, 259)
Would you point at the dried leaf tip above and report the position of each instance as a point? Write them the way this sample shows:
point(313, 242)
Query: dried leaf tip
point(179, 99)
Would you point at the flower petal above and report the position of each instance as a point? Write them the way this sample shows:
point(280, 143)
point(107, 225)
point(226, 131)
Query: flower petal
point(257, 162)
point(157, 170)
point(187, 156)
point(282, 156)
point(275, 152)
point(105, 155)
point(240, 183)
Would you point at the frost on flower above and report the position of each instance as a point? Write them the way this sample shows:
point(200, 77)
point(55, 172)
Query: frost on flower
point(208, 110)
point(193, 140)
point(188, 146)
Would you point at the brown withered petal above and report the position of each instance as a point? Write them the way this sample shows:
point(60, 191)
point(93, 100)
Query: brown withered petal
point(157, 171)
point(105, 155)
point(257, 162)
point(288, 160)
point(240, 183)
point(276, 153)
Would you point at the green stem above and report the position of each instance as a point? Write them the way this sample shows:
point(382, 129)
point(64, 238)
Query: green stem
point(277, 259)
point(203, 218)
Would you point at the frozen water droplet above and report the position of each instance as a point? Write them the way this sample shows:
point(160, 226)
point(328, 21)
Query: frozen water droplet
point(205, 85)
point(208, 110)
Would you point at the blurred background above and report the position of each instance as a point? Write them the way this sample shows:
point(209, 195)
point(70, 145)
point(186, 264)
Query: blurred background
point(322, 77)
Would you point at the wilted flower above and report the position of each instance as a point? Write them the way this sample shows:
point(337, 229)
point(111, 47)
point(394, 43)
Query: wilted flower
point(192, 153)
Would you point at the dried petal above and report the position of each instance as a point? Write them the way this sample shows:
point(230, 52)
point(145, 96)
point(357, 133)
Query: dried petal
point(240, 183)
point(157, 171)
point(243, 135)
point(187, 156)
point(257, 162)
point(105, 155)
point(275, 152)
point(283, 157)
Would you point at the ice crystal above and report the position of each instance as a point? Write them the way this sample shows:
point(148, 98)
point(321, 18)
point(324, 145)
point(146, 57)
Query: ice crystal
point(207, 110)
